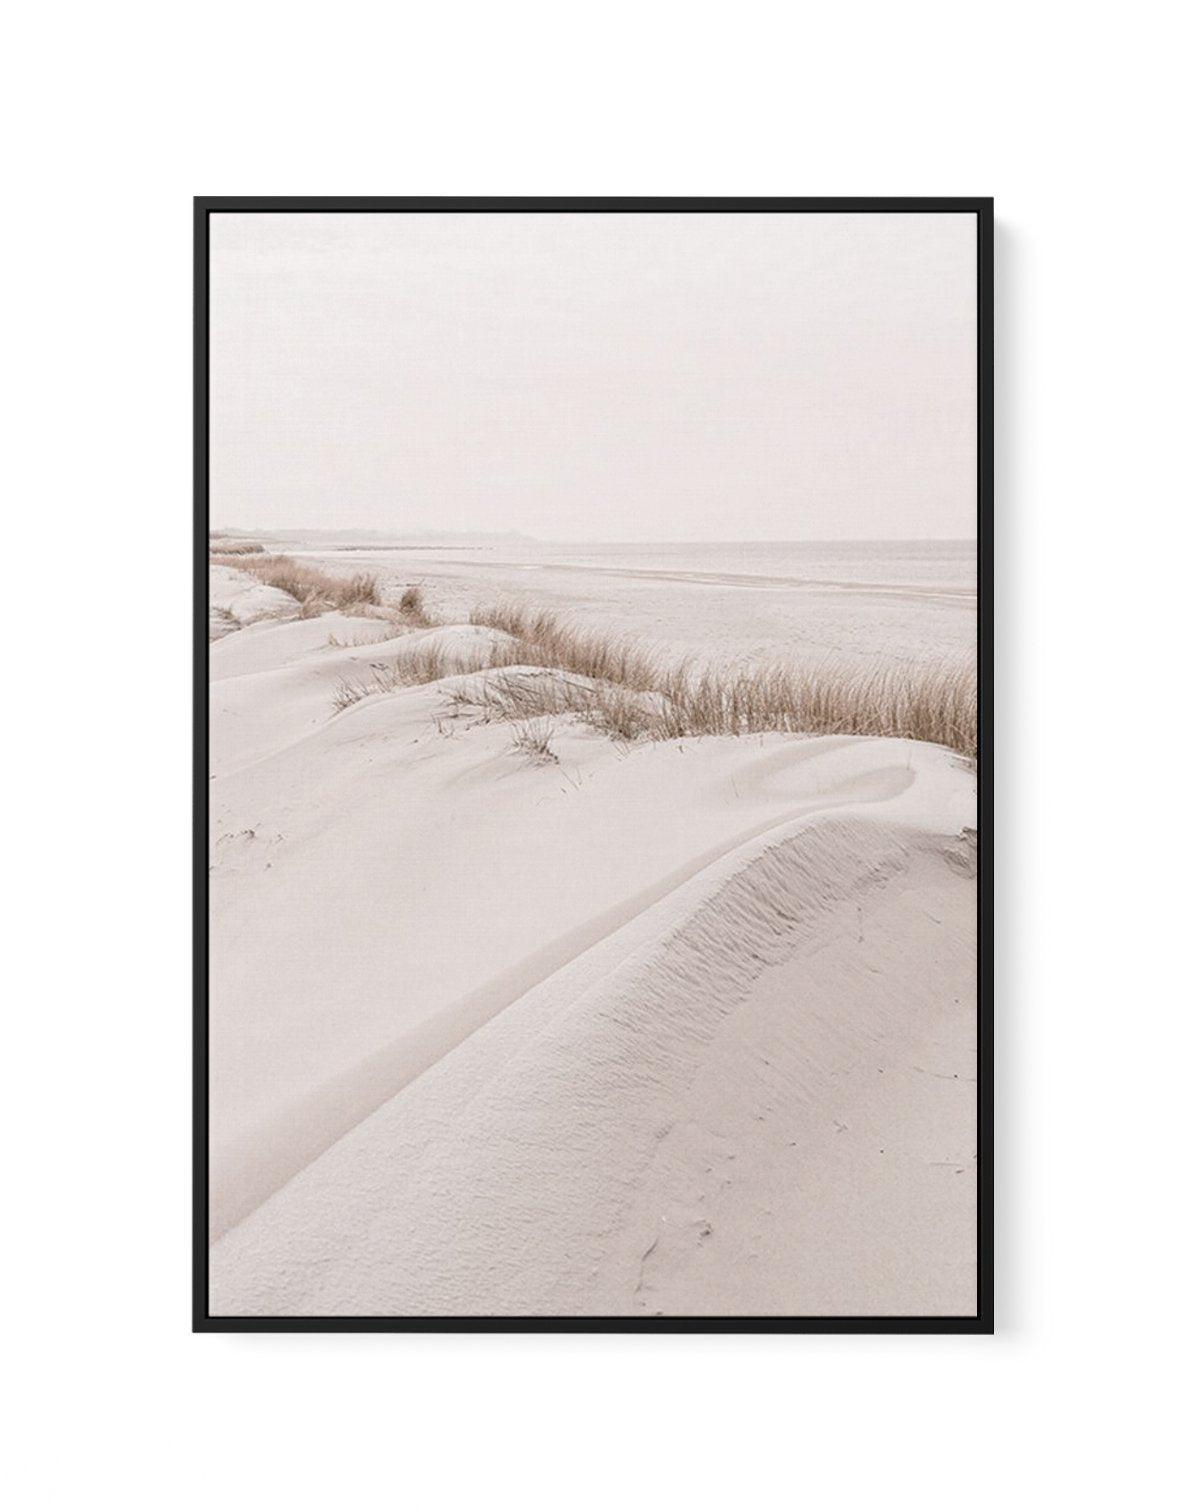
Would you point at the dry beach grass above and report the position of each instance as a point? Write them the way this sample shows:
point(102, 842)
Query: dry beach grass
point(624, 689)
point(314, 590)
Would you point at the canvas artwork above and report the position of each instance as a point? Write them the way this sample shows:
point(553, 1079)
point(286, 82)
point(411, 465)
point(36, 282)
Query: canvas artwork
point(592, 922)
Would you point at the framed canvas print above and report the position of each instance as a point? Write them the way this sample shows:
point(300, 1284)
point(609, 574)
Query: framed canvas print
point(593, 764)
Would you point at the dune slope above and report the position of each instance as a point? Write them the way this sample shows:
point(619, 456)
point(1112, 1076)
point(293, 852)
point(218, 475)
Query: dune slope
point(682, 1028)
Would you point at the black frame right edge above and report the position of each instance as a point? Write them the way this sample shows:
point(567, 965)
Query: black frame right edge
point(985, 357)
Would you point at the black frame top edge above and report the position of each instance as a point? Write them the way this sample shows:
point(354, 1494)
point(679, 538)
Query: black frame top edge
point(678, 203)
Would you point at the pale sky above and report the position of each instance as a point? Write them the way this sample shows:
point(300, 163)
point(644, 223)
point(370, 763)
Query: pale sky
point(645, 377)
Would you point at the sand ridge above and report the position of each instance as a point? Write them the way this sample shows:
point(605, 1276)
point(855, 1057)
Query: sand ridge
point(422, 942)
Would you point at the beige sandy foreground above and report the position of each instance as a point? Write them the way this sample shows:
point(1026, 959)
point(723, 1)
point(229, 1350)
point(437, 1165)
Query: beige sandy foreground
point(654, 1029)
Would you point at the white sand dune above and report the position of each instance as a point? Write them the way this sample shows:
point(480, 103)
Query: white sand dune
point(680, 1028)
point(236, 599)
point(275, 683)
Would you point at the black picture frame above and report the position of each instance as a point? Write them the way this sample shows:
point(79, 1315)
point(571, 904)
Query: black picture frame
point(982, 1321)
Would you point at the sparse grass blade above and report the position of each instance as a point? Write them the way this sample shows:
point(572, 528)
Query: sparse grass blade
point(532, 739)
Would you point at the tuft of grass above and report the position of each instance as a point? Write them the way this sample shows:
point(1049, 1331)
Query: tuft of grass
point(599, 654)
point(336, 642)
point(315, 590)
point(412, 608)
point(532, 739)
point(414, 665)
point(623, 713)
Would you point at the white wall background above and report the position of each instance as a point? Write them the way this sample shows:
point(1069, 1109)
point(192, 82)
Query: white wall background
point(1075, 117)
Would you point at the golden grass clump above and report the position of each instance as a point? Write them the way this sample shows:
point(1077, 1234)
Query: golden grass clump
point(937, 703)
point(315, 590)
point(624, 713)
point(411, 607)
point(557, 643)
point(414, 665)
point(630, 693)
